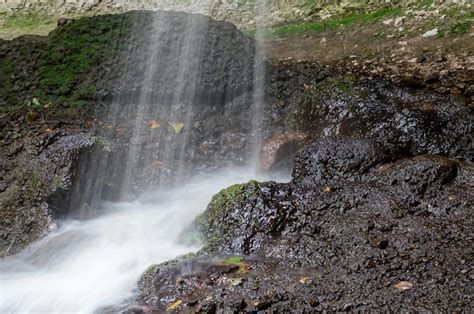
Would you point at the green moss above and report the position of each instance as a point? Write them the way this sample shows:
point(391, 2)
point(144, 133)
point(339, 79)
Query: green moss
point(150, 272)
point(62, 63)
point(210, 222)
point(73, 52)
point(225, 199)
point(231, 260)
point(34, 180)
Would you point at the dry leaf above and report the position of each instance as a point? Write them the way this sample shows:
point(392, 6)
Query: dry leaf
point(177, 126)
point(174, 306)
point(243, 268)
point(154, 124)
point(236, 282)
point(403, 285)
point(304, 280)
point(327, 189)
point(31, 116)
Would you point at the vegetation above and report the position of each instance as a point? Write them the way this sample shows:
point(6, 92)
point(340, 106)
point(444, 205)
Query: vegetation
point(31, 23)
point(210, 221)
point(349, 20)
point(61, 63)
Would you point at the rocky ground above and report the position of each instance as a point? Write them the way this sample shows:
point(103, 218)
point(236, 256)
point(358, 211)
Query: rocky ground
point(416, 48)
point(377, 217)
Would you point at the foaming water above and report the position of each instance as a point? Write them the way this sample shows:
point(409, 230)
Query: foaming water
point(85, 265)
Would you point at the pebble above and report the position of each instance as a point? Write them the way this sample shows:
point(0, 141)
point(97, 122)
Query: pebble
point(431, 33)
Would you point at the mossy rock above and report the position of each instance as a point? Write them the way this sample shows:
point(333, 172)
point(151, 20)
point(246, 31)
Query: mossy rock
point(212, 222)
point(57, 68)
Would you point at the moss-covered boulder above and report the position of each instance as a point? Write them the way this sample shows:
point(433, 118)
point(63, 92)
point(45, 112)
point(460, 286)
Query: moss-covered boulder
point(212, 222)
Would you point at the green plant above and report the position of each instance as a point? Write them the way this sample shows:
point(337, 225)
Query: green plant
point(349, 20)
point(460, 28)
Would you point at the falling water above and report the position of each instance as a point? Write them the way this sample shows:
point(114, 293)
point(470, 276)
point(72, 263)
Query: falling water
point(85, 265)
point(94, 259)
point(259, 80)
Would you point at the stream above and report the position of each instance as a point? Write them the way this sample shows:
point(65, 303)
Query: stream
point(85, 265)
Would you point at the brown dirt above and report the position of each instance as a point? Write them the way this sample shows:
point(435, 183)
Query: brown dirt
point(445, 64)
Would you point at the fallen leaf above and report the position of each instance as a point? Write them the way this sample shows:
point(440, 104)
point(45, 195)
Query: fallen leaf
point(403, 285)
point(243, 268)
point(177, 126)
point(154, 124)
point(49, 130)
point(31, 116)
point(174, 306)
point(236, 282)
point(304, 280)
point(46, 106)
point(234, 260)
point(327, 189)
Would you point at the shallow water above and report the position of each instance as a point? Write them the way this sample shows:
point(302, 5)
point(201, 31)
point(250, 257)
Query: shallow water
point(85, 265)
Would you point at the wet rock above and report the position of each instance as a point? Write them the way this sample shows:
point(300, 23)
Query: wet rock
point(287, 228)
point(337, 158)
point(37, 173)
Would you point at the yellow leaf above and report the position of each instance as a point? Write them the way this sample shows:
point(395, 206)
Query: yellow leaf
point(236, 282)
point(177, 126)
point(327, 189)
point(403, 285)
point(174, 306)
point(304, 280)
point(154, 124)
point(31, 116)
point(243, 268)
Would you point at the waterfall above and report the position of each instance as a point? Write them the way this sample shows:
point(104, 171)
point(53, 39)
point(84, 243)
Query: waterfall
point(154, 188)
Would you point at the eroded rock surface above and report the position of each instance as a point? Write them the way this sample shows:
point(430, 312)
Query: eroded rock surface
point(377, 216)
point(389, 236)
point(39, 159)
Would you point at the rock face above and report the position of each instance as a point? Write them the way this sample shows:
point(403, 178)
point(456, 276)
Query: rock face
point(192, 102)
point(377, 215)
point(39, 159)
